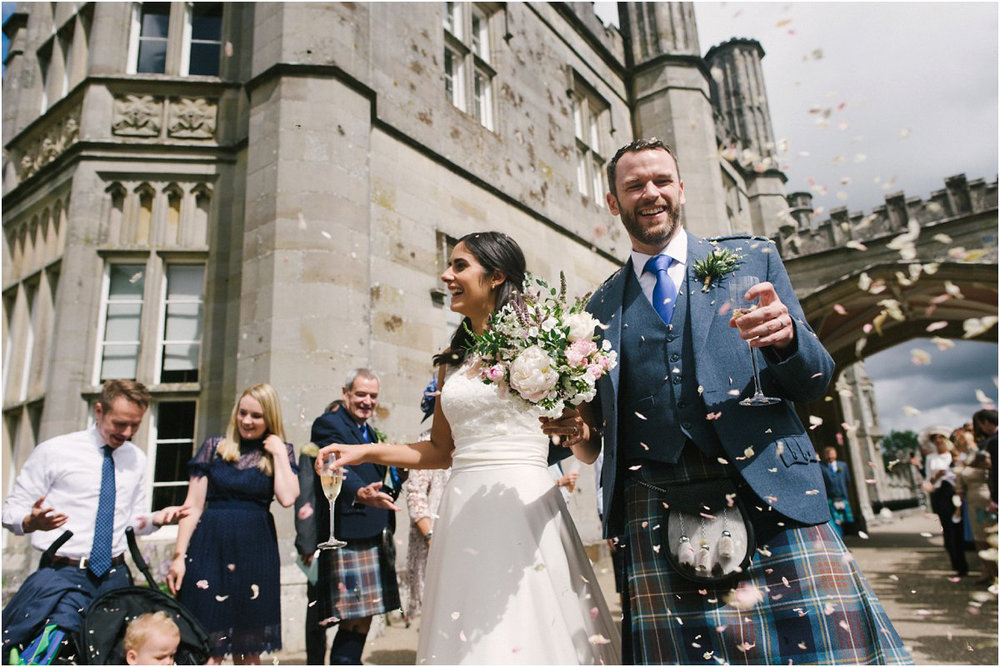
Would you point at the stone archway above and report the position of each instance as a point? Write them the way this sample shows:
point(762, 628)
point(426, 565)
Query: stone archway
point(912, 269)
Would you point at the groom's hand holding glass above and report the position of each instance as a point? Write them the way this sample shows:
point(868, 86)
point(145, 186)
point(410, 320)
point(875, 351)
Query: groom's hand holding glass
point(347, 455)
point(767, 325)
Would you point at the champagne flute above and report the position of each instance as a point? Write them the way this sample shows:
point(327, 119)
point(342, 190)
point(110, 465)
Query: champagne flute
point(331, 478)
point(738, 287)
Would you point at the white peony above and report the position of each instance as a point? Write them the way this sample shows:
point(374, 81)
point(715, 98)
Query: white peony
point(581, 326)
point(532, 374)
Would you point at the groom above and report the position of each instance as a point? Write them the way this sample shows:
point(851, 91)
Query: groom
point(670, 416)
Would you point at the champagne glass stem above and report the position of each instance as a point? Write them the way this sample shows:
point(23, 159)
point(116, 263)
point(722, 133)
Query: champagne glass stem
point(331, 538)
point(756, 372)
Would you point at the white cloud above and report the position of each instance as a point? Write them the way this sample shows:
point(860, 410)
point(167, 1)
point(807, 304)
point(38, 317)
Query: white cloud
point(928, 68)
point(944, 391)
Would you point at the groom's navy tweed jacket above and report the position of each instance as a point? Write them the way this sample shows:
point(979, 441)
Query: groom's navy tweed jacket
point(784, 469)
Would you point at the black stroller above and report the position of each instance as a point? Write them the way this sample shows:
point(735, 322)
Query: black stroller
point(100, 640)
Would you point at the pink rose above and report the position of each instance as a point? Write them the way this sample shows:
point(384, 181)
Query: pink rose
point(578, 352)
point(494, 373)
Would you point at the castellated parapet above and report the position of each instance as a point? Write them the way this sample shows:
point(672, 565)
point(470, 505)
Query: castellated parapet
point(800, 235)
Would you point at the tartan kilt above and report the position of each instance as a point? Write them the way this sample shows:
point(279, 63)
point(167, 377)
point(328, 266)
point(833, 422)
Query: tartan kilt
point(817, 607)
point(843, 516)
point(356, 581)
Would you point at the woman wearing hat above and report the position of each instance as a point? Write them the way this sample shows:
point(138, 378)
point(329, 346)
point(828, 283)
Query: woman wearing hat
point(941, 477)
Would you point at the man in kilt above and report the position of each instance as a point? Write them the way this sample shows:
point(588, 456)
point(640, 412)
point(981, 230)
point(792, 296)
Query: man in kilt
point(675, 437)
point(358, 581)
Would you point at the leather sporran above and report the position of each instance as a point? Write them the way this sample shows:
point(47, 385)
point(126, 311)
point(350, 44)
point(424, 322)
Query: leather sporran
point(709, 536)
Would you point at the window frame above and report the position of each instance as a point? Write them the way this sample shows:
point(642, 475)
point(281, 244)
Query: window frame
point(471, 52)
point(589, 111)
point(188, 40)
point(103, 311)
point(179, 40)
point(153, 443)
point(162, 304)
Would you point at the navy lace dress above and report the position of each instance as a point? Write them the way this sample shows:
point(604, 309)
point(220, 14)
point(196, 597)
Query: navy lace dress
point(232, 580)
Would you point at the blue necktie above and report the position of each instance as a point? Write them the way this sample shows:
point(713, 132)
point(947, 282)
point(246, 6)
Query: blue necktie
point(664, 293)
point(104, 527)
point(364, 433)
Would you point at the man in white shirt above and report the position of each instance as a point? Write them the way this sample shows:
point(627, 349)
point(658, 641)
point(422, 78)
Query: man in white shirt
point(92, 483)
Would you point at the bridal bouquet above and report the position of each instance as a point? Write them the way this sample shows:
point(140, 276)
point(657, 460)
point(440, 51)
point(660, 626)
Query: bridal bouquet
point(543, 348)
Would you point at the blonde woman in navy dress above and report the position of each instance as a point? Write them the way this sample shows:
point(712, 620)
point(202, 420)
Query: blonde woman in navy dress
point(226, 565)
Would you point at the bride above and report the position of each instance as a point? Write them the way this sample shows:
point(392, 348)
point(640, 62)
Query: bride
point(508, 580)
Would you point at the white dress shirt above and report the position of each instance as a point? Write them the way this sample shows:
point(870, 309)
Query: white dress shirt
point(67, 471)
point(677, 250)
point(936, 462)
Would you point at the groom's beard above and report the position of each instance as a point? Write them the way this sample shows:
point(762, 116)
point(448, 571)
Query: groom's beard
point(652, 236)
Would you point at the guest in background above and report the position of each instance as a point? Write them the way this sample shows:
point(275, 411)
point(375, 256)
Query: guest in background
point(837, 479)
point(356, 582)
point(92, 483)
point(310, 512)
point(972, 484)
point(423, 496)
point(564, 479)
point(985, 422)
point(964, 452)
point(941, 478)
point(226, 567)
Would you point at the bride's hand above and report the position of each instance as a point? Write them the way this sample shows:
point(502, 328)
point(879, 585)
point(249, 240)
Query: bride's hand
point(569, 427)
point(346, 455)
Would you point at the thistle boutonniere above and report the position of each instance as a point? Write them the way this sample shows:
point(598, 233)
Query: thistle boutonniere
point(719, 262)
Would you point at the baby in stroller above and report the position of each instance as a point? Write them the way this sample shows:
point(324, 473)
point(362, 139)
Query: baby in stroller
point(107, 623)
point(151, 639)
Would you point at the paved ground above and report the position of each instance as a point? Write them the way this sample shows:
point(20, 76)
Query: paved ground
point(940, 620)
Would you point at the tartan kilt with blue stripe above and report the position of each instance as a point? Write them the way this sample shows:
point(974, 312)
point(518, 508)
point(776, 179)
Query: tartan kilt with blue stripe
point(356, 581)
point(816, 606)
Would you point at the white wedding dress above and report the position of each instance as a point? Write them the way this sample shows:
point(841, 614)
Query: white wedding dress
point(508, 580)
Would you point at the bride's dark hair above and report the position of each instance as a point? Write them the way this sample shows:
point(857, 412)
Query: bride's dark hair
point(496, 252)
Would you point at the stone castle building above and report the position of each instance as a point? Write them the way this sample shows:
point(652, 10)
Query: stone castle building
point(203, 196)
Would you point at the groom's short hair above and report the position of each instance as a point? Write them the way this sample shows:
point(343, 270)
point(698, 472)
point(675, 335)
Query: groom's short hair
point(638, 145)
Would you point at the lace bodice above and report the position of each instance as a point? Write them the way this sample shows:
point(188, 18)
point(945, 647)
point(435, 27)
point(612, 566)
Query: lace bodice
point(488, 425)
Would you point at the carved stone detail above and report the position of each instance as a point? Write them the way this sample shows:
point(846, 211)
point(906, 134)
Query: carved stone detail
point(191, 118)
point(137, 116)
point(48, 143)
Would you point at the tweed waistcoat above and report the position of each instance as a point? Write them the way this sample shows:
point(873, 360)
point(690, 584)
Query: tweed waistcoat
point(659, 402)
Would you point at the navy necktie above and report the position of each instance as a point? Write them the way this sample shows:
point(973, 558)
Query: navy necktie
point(664, 292)
point(104, 527)
point(364, 433)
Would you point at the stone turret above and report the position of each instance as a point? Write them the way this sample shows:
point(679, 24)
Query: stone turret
point(739, 94)
point(743, 124)
point(671, 95)
point(661, 28)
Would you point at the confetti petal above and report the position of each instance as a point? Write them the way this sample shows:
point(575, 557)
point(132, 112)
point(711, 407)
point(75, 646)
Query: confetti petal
point(254, 591)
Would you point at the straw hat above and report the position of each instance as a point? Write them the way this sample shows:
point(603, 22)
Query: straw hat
point(926, 436)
